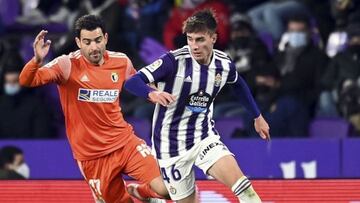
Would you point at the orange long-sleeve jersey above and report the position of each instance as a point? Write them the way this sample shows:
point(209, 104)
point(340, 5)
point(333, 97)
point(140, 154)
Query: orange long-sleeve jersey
point(89, 98)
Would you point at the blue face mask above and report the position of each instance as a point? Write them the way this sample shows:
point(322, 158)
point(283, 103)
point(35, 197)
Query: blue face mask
point(297, 39)
point(11, 89)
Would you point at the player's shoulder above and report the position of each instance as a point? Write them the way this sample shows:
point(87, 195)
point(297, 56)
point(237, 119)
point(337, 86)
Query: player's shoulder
point(183, 52)
point(115, 55)
point(221, 55)
point(75, 55)
point(72, 57)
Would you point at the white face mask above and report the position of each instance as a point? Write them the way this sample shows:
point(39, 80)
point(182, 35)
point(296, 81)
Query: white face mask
point(297, 39)
point(11, 89)
point(23, 170)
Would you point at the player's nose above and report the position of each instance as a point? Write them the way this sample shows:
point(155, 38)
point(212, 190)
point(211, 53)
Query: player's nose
point(93, 46)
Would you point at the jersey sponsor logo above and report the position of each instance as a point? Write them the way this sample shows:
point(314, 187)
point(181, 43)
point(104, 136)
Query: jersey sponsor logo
point(218, 80)
point(98, 95)
point(155, 65)
point(209, 147)
point(199, 102)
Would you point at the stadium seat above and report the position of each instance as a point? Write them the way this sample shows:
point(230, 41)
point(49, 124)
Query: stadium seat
point(142, 128)
point(228, 126)
point(329, 128)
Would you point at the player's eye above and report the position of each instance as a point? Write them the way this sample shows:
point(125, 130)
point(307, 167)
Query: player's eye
point(98, 40)
point(200, 39)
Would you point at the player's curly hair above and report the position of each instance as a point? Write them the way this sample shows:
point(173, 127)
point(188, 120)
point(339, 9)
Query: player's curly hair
point(201, 21)
point(89, 22)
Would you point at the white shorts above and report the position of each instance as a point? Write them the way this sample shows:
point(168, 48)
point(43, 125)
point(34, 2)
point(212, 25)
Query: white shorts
point(178, 173)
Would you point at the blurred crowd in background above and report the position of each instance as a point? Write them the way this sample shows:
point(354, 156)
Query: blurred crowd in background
point(299, 57)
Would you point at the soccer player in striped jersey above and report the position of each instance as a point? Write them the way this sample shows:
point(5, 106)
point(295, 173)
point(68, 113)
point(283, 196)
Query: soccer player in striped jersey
point(188, 80)
point(89, 82)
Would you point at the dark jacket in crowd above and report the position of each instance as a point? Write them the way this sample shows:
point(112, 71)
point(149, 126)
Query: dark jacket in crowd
point(304, 81)
point(24, 116)
point(345, 65)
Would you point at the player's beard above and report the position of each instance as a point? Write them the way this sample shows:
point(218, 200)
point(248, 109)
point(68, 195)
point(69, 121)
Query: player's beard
point(95, 56)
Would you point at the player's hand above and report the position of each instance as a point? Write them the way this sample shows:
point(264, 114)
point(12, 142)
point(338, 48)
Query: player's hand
point(162, 98)
point(262, 127)
point(41, 47)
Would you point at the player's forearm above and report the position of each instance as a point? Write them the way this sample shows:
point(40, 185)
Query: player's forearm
point(246, 98)
point(28, 73)
point(137, 86)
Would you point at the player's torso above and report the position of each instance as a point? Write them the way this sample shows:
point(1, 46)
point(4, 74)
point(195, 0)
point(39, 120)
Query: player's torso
point(189, 119)
point(195, 86)
point(90, 101)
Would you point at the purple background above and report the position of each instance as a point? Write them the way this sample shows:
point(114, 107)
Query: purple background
point(336, 158)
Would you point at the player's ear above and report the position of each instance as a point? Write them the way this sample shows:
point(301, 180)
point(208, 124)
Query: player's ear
point(77, 40)
point(214, 38)
point(106, 38)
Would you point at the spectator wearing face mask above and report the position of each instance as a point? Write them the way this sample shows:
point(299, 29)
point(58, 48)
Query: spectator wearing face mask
point(23, 114)
point(252, 60)
point(300, 67)
point(12, 164)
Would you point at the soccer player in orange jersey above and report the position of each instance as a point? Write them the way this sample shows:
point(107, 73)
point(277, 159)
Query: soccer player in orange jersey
point(89, 82)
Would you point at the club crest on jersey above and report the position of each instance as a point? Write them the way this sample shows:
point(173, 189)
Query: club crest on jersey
point(155, 65)
point(199, 101)
point(172, 190)
point(218, 80)
point(114, 77)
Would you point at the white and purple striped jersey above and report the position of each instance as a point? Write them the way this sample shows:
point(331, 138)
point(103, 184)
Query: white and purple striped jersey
point(188, 120)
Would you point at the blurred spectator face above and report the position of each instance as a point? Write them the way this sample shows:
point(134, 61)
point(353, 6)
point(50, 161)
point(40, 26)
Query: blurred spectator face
point(92, 45)
point(20, 166)
point(298, 34)
point(201, 45)
point(14, 160)
point(18, 160)
point(11, 83)
point(241, 31)
point(240, 38)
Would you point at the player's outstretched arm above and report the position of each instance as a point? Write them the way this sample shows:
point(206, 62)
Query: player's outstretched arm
point(137, 86)
point(246, 99)
point(34, 75)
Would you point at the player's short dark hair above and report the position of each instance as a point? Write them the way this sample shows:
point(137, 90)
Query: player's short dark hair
point(89, 22)
point(201, 21)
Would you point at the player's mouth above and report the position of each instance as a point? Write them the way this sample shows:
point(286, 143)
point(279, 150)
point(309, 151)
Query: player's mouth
point(197, 54)
point(95, 55)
